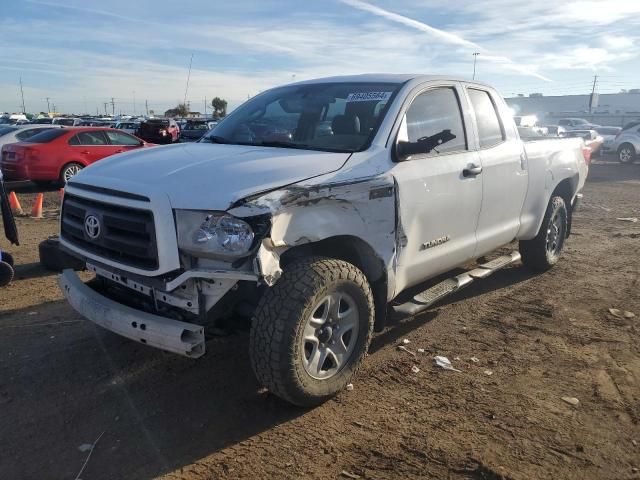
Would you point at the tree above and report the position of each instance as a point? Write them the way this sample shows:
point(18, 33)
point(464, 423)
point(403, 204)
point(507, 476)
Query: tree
point(180, 111)
point(219, 107)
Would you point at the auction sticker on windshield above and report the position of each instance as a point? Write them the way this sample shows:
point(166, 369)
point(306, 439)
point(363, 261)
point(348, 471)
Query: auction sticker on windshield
point(369, 96)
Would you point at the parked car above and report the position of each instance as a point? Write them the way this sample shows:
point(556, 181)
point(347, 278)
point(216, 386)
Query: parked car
point(67, 122)
point(159, 130)
point(316, 235)
point(129, 127)
point(21, 133)
point(591, 139)
point(608, 135)
point(627, 144)
point(194, 130)
point(576, 124)
point(56, 155)
point(42, 121)
point(555, 130)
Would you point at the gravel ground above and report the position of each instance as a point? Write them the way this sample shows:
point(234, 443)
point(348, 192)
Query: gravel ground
point(535, 339)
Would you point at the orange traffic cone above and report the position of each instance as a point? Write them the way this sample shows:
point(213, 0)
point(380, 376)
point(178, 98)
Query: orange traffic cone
point(15, 204)
point(36, 212)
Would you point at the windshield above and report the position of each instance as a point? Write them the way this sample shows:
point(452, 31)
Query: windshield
point(5, 130)
point(47, 135)
point(341, 117)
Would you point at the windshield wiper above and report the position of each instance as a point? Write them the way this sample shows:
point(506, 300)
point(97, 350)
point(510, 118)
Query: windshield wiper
point(280, 143)
point(214, 139)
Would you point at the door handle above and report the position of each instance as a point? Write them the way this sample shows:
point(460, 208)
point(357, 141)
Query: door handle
point(472, 170)
point(119, 151)
point(85, 152)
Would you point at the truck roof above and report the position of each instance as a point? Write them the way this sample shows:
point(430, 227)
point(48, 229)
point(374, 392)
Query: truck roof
point(386, 78)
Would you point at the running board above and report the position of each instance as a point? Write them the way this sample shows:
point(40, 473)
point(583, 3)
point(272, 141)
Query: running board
point(424, 300)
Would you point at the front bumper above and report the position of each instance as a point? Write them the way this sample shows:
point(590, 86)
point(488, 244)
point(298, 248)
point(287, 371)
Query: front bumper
point(164, 333)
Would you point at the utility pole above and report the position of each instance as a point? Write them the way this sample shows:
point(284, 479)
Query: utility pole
point(188, 77)
point(475, 58)
point(113, 106)
point(48, 107)
point(146, 106)
point(593, 94)
point(105, 108)
point(24, 110)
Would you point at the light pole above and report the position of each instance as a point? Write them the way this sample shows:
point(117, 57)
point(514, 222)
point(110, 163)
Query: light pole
point(475, 58)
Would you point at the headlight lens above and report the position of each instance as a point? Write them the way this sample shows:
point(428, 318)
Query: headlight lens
point(213, 234)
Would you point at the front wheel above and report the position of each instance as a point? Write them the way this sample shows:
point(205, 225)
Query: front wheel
point(543, 252)
point(626, 153)
point(311, 330)
point(68, 171)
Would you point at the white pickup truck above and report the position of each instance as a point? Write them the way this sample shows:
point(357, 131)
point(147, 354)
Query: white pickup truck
point(311, 208)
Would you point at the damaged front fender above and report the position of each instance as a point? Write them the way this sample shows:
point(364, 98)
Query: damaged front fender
point(362, 208)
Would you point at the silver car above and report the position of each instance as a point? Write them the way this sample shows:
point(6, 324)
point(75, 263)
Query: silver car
point(21, 133)
point(627, 144)
point(608, 136)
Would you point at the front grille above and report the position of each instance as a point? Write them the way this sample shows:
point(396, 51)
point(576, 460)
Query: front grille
point(127, 235)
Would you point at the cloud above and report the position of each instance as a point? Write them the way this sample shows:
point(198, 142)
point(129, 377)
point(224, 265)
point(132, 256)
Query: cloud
point(445, 36)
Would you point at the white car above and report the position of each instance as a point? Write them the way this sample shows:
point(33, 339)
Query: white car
point(312, 207)
point(129, 127)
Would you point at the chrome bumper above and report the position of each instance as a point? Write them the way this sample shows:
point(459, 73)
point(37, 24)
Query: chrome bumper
point(164, 333)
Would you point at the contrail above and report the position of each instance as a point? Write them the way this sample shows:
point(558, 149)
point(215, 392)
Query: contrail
point(442, 35)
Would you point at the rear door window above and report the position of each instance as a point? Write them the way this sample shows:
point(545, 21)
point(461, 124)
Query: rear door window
point(490, 131)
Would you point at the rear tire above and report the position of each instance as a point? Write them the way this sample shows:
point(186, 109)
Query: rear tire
point(627, 153)
point(6, 274)
point(68, 171)
point(7, 258)
point(543, 252)
point(311, 330)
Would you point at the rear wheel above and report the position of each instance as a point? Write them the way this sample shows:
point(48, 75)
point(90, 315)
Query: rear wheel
point(311, 330)
point(69, 170)
point(543, 252)
point(6, 274)
point(626, 153)
point(7, 258)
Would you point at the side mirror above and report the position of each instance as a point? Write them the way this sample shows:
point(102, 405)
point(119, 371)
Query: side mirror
point(404, 151)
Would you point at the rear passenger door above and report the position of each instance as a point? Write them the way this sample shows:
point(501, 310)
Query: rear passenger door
point(504, 171)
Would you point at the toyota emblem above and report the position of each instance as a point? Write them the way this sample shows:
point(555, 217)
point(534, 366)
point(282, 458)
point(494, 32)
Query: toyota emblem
point(92, 226)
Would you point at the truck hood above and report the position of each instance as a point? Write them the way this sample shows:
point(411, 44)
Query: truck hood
point(208, 176)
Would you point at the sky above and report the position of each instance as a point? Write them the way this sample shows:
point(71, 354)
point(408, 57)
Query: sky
point(81, 53)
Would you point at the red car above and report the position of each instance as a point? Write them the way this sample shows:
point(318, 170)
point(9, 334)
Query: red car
point(56, 155)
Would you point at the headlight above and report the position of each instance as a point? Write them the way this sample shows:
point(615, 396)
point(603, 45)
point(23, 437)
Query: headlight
point(212, 234)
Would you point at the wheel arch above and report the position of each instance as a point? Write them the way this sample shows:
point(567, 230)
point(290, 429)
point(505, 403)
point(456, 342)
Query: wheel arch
point(69, 162)
point(356, 251)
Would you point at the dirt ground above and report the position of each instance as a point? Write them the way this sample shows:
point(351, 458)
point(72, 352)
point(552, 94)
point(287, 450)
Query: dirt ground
point(537, 338)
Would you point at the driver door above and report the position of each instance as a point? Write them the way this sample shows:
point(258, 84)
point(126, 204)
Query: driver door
point(440, 191)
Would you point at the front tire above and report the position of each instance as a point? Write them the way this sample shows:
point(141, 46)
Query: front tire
point(543, 252)
point(311, 330)
point(626, 153)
